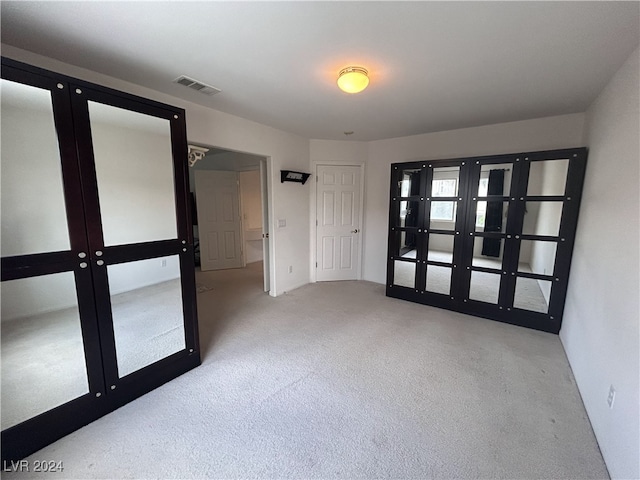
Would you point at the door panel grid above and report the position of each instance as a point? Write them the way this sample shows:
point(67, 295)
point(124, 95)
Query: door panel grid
point(493, 236)
point(338, 224)
point(77, 320)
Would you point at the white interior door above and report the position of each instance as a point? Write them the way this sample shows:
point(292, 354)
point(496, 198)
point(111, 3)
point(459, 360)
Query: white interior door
point(265, 226)
point(338, 222)
point(219, 222)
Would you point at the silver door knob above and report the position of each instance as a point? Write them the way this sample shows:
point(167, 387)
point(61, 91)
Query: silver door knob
point(355, 231)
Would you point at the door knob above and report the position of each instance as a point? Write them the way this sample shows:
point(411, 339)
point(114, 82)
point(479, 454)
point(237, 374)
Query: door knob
point(355, 231)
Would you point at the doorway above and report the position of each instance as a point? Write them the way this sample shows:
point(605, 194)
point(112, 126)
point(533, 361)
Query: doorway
point(230, 198)
point(338, 222)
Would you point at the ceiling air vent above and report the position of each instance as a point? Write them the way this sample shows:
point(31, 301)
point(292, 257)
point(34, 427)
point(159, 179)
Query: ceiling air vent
point(196, 85)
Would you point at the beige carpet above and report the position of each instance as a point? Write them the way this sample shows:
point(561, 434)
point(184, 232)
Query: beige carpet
point(335, 380)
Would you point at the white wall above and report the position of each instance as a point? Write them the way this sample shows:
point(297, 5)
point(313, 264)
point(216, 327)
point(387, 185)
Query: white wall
point(600, 330)
point(563, 131)
point(205, 126)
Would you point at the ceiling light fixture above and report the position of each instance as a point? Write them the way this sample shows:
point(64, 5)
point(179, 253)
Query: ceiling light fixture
point(353, 79)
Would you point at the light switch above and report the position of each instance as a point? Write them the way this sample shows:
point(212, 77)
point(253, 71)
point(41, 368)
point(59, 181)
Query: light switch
point(282, 223)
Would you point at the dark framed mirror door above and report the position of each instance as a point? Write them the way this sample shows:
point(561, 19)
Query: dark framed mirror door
point(98, 286)
point(139, 242)
point(494, 236)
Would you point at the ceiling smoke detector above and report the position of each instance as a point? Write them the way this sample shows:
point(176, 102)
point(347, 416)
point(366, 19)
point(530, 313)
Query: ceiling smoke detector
point(196, 85)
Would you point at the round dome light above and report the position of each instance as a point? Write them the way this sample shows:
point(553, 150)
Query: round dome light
point(353, 79)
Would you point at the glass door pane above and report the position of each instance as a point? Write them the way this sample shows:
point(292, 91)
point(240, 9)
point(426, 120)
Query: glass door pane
point(440, 248)
point(485, 287)
point(548, 177)
point(408, 184)
point(488, 252)
point(500, 176)
point(542, 218)
point(43, 359)
point(537, 257)
point(532, 294)
point(134, 169)
point(146, 304)
point(409, 214)
point(34, 217)
point(404, 274)
point(445, 182)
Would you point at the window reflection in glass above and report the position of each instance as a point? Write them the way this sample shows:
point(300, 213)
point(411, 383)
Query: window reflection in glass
point(443, 215)
point(445, 182)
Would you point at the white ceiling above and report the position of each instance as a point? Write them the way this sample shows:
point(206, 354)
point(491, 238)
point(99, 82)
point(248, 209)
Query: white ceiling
point(433, 65)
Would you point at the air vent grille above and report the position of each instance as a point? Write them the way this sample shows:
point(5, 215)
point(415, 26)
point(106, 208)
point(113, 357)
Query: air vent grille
point(196, 85)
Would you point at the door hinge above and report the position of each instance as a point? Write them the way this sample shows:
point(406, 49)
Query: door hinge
point(316, 264)
point(316, 178)
point(316, 222)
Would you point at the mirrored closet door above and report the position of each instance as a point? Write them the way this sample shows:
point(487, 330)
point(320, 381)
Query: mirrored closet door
point(98, 288)
point(490, 236)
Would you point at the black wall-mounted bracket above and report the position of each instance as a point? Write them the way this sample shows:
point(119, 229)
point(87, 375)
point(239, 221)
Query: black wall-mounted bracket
point(291, 176)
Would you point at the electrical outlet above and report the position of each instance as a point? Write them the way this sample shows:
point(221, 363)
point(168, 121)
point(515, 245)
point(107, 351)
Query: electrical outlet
point(612, 396)
point(290, 268)
point(163, 262)
point(282, 222)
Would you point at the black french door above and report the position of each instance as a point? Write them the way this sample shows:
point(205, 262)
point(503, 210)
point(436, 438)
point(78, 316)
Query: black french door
point(98, 286)
point(494, 234)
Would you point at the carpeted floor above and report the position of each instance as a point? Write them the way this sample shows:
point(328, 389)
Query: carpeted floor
point(335, 380)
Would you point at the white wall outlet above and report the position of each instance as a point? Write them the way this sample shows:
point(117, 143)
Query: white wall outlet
point(282, 222)
point(612, 396)
point(163, 262)
point(290, 268)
